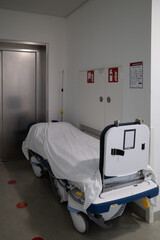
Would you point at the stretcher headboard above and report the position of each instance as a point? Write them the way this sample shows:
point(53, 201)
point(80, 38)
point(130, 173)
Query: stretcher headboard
point(124, 149)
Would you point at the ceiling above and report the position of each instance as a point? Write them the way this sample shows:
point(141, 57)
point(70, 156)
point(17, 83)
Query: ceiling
point(59, 8)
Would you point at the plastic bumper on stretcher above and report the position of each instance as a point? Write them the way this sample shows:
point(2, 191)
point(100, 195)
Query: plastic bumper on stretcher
point(119, 197)
point(125, 176)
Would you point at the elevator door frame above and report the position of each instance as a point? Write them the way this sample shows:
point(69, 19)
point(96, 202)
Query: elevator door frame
point(1, 103)
point(41, 51)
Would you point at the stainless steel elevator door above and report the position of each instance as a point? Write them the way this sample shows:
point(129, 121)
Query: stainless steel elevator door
point(19, 108)
point(0, 106)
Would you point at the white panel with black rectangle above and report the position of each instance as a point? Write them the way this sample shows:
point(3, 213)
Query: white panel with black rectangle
point(126, 150)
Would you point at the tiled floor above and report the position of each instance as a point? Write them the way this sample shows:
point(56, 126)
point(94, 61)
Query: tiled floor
point(46, 218)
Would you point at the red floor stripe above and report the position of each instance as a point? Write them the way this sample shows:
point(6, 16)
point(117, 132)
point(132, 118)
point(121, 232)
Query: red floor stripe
point(37, 238)
point(11, 182)
point(21, 205)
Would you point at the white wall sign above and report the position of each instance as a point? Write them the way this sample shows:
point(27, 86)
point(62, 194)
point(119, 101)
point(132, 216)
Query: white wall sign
point(136, 75)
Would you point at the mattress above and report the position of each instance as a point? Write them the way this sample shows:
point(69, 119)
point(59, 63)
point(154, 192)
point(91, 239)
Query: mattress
point(72, 155)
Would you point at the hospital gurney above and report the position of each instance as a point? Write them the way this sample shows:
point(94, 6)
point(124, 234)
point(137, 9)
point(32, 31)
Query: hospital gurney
point(95, 178)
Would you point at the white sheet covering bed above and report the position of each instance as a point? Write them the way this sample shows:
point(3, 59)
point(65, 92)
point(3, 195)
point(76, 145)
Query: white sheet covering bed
point(72, 154)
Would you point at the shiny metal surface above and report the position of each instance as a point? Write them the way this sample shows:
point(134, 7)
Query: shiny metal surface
point(19, 94)
point(0, 106)
point(18, 98)
point(42, 51)
point(41, 111)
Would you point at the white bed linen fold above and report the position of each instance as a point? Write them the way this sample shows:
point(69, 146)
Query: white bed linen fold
point(72, 154)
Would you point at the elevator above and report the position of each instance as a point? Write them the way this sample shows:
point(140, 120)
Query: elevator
point(23, 94)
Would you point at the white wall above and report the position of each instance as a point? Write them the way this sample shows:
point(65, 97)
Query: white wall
point(155, 90)
point(101, 33)
point(105, 33)
point(21, 26)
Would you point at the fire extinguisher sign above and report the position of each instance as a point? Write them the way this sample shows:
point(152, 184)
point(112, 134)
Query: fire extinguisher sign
point(90, 76)
point(113, 75)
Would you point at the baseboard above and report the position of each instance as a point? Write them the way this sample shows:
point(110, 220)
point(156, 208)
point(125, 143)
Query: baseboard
point(143, 213)
point(156, 216)
point(136, 209)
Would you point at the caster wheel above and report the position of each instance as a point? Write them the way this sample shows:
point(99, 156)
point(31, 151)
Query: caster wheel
point(36, 169)
point(80, 222)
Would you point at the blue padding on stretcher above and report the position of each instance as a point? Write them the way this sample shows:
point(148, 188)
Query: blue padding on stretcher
point(44, 162)
point(72, 209)
point(65, 182)
point(34, 163)
point(104, 207)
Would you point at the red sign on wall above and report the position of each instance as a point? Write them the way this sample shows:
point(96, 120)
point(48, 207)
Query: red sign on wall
point(90, 76)
point(113, 74)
